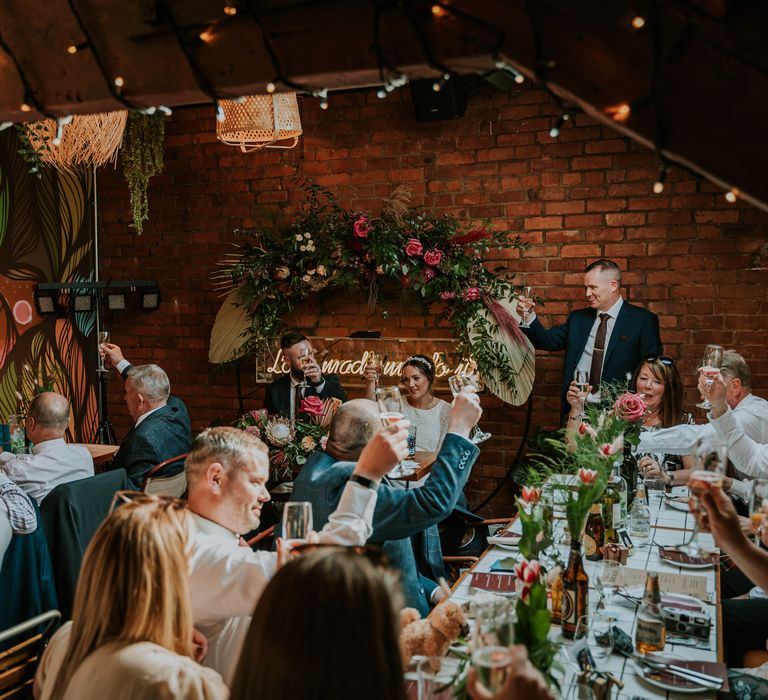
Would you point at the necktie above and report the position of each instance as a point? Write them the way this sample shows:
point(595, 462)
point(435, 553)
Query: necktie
point(296, 401)
point(596, 368)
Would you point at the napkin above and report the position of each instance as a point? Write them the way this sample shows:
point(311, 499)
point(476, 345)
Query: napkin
point(496, 583)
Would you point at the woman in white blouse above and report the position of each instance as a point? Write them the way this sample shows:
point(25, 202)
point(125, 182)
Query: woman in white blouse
point(428, 413)
point(131, 634)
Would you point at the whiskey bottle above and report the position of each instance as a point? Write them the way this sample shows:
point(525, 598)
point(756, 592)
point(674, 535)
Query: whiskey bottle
point(650, 633)
point(575, 589)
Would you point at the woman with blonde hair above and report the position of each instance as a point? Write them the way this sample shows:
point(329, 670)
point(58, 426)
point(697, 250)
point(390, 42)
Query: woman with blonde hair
point(131, 634)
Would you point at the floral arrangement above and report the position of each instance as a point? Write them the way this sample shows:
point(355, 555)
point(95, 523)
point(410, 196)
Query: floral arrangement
point(537, 529)
point(438, 260)
point(291, 442)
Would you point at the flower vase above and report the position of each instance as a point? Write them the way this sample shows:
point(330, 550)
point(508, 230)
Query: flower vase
point(575, 591)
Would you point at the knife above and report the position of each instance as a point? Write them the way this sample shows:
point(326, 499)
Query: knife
point(687, 674)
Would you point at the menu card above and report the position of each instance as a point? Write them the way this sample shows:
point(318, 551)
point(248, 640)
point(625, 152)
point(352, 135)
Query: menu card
point(623, 576)
point(496, 583)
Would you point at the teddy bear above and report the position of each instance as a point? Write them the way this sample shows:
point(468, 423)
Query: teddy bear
point(432, 636)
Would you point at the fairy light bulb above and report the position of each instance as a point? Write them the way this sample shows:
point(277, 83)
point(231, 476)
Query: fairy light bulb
point(271, 87)
point(638, 22)
point(24, 107)
point(119, 81)
point(230, 10)
point(731, 195)
point(438, 11)
point(71, 49)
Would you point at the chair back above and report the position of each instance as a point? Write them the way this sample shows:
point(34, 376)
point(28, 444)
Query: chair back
point(167, 469)
point(18, 664)
point(175, 486)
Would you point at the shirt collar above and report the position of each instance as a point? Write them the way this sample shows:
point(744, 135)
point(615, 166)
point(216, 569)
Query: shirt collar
point(146, 415)
point(613, 312)
point(48, 446)
point(208, 527)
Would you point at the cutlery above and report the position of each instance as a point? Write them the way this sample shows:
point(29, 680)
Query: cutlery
point(687, 674)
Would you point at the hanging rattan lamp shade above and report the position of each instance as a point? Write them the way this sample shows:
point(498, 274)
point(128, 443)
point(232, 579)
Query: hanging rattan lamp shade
point(260, 121)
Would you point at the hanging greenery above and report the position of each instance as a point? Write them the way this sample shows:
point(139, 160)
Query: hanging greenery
point(444, 267)
point(142, 157)
point(35, 141)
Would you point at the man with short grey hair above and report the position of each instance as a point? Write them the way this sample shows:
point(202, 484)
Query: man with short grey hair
point(52, 461)
point(160, 431)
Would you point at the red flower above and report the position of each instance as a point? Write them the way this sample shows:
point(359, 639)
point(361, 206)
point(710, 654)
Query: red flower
point(312, 405)
point(471, 294)
point(413, 247)
point(527, 573)
point(587, 476)
point(429, 274)
point(362, 227)
point(447, 296)
point(531, 494)
point(433, 257)
point(629, 407)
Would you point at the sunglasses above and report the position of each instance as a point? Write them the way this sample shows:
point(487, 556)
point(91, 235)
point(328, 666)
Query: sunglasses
point(663, 359)
point(372, 553)
point(121, 497)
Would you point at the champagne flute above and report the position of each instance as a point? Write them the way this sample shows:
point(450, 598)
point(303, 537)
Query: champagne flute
point(375, 361)
point(710, 366)
point(758, 508)
point(469, 377)
point(526, 294)
point(581, 377)
point(297, 523)
point(391, 411)
point(491, 663)
point(305, 360)
point(709, 462)
point(103, 338)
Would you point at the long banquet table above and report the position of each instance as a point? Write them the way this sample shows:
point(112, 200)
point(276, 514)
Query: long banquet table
point(668, 527)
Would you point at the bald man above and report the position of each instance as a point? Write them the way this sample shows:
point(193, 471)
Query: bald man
point(400, 514)
point(52, 461)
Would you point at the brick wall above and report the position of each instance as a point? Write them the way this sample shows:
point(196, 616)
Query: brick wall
point(586, 194)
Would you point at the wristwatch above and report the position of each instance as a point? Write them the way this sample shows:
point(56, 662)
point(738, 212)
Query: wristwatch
point(364, 481)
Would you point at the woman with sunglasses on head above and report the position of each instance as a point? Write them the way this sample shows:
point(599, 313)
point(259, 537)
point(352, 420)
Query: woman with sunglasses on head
point(327, 627)
point(131, 633)
point(656, 378)
point(420, 406)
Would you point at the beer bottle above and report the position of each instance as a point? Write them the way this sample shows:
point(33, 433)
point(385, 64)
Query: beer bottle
point(628, 471)
point(650, 633)
point(610, 503)
point(594, 533)
point(575, 589)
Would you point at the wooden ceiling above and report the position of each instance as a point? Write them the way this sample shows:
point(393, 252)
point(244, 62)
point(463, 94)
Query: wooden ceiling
point(695, 76)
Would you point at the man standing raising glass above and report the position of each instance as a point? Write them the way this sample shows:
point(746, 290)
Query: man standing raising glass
point(608, 340)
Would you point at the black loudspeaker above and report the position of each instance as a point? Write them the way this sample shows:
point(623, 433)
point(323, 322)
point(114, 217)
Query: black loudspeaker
point(450, 102)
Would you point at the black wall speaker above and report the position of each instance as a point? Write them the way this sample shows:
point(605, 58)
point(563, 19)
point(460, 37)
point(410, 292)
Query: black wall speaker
point(429, 106)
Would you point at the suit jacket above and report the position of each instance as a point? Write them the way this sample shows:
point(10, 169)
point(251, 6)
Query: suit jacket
point(277, 395)
point(160, 436)
point(399, 513)
point(635, 335)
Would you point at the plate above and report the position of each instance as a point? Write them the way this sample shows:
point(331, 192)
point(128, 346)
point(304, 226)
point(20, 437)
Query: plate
point(690, 565)
point(511, 543)
point(668, 681)
point(698, 563)
point(679, 505)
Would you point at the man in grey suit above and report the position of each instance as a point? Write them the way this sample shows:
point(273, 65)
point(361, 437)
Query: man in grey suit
point(400, 514)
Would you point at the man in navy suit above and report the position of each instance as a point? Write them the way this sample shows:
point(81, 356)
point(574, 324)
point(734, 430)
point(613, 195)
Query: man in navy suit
point(629, 333)
point(284, 395)
point(401, 516)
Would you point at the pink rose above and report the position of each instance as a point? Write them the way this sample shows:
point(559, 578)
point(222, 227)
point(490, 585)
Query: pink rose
point(587, 476)
point(531, 494)
point(413, 247)
point(362, 227)
point(429, 274)
point(447, 296)
point(471, 294)
point(629, 407)
point(312, 406)
point(433, 257)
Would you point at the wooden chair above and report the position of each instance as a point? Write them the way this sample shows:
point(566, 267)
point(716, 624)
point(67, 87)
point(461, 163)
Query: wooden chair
point(19, 663)
point(175, 485)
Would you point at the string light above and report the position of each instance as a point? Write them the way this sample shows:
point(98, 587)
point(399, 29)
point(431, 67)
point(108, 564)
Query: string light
point(517, 76)
point(230, 10)
point(25, 107)
point(554, 132)
point(619, 113)
point(438, 11)
point(271, 87)
point(206, 36)
point(71, 49)
point(323, 95)
point(438, 84)
point(661, 176)
point(731, 195)
point(638, 22)
point(119, 81)
point(167, 111)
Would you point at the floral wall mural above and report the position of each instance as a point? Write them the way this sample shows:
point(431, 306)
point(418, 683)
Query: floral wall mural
point(46, 235)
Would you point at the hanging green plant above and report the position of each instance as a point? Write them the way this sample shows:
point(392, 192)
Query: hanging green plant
point(142, 157)
point(34, 141)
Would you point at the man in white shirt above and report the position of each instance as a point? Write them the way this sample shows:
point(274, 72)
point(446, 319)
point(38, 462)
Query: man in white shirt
point(52, 461)
point(17, 514)
point(607, 340)
point(227, 471)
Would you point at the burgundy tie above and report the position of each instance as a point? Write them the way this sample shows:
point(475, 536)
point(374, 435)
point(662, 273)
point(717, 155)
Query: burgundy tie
point(596, 368)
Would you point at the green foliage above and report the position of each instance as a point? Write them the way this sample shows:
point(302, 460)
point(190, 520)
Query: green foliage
point(326, 247)
point(34, 141)
point(142, 157)
point(532, 629)
point(535, 538)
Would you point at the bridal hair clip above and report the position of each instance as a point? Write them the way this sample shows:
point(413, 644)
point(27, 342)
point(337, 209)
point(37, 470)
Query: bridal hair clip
point(420, 360)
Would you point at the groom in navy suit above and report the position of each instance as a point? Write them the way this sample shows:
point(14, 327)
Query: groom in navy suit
point(608, 340)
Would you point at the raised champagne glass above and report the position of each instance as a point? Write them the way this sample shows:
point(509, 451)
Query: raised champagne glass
point(297, 523)
point(103, 338)
point(581, 377)
point(758, 508)
point(710, 366)
point(305, 361)
point(469, 377)
point(709, 462)
point(390, 412)
point(375, 361)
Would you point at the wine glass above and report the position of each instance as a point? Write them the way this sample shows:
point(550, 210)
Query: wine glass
point(305, 361)
point(598, 629)
point(758, 508)
point(710, 366)
point(469, 377)
point(297, 523)
point(103, 338)
point(491, 664)
point(709, 462)
point(526, 297)
point(391, 410)
point(581, 377)
point(375, 361)
point(606, 581)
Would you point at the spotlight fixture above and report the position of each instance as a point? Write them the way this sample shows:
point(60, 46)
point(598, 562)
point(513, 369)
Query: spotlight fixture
point(46, 303)
point(82, 302)
point(116, 301)
point(150, 299)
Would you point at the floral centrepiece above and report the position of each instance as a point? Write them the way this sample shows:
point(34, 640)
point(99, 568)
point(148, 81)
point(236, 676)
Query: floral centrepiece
point(290, 442)
point(436, 259)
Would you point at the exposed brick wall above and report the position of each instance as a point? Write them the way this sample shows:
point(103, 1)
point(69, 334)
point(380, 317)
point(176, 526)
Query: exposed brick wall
point(586, 194)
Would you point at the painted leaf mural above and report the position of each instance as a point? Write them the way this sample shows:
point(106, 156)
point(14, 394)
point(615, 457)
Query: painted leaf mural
point(46, 235)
